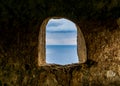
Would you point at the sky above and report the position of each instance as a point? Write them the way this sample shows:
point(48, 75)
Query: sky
point(61, 32)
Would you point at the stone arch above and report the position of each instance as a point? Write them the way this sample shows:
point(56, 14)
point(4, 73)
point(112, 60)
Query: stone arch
point(81, 45)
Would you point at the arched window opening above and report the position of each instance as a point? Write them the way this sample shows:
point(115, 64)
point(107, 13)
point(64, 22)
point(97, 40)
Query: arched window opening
point(61, 42)
point(42, 43)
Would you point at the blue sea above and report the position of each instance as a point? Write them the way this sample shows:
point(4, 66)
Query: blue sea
point(61, 54)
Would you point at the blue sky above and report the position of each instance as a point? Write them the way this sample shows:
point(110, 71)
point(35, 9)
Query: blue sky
point(61, 32)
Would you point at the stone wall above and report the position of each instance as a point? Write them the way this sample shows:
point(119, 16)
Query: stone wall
point(20, 23)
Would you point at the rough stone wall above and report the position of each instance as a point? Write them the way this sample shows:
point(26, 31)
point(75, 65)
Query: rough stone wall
point(20, 23)
point(104, 38)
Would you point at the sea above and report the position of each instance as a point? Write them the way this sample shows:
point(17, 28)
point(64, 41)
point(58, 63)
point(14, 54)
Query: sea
point(61, 54)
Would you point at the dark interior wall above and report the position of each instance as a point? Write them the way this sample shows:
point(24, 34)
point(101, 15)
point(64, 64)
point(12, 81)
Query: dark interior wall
point(20, 22)
point(102, 41)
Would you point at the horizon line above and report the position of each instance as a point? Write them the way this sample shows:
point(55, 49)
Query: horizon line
point(60, 45)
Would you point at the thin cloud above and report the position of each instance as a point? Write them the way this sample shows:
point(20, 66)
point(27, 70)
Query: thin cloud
point(61, 35)
point(53, 24)
point(61, 38)
point(61, 32)
point(71, 41)
point(60, 25)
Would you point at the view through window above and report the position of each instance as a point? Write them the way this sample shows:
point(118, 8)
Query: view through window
point(61, 42)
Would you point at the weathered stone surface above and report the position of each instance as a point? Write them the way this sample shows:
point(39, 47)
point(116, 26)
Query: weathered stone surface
point(20, 23)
